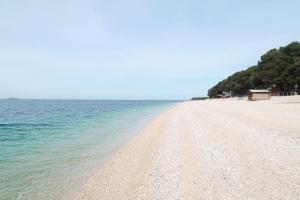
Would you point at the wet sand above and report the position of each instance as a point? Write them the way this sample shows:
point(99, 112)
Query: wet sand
point(213, 149)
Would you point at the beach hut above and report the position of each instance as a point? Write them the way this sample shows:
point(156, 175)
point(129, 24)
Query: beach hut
point(254, 95)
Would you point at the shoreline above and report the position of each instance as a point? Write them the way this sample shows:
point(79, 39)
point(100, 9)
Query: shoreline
point(55, 152)
point(140, 141)
point(233, 149)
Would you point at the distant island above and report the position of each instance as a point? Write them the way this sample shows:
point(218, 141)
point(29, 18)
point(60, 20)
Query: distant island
point(278, 69)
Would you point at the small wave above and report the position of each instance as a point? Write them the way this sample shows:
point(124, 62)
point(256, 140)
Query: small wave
point(8, 125)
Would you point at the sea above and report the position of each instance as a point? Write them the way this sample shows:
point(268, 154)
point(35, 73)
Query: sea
point(50, 148)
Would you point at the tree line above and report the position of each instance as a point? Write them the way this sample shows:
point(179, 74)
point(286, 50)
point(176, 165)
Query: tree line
point(278, 67)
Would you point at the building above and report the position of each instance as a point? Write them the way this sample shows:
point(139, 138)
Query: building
point(227, 94)
point(254, 95)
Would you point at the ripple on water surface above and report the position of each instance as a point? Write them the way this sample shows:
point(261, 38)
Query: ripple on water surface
point(49, 147)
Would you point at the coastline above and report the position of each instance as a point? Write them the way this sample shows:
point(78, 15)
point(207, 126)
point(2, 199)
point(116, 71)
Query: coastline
point(213, 149)
point(54, 146)
point(108, 184)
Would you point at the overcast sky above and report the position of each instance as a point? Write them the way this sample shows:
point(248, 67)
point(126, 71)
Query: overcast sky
point(135, 49)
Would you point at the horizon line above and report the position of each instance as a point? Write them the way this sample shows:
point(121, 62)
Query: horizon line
point(91, 99)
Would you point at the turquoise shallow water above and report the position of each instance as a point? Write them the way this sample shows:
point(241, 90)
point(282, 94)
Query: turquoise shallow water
point(49, 148)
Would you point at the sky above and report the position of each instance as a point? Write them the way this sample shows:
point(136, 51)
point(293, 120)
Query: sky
point(135, 49)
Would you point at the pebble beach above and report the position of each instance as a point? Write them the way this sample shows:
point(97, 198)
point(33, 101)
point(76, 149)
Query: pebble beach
point(212, 149)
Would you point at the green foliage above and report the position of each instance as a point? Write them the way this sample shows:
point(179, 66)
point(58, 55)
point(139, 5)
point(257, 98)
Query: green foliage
point(277, 66)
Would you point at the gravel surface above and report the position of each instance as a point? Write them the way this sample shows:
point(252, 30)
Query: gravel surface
point(213, 149)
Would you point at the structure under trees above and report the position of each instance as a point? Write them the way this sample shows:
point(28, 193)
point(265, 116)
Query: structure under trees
point(278, 67)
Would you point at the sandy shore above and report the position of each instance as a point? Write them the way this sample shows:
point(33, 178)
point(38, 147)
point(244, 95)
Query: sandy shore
point(214, 149)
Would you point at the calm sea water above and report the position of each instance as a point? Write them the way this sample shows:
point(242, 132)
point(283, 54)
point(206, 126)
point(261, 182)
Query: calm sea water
point(49, 148)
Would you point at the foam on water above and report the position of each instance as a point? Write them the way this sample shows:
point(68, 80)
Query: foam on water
point(48, 148)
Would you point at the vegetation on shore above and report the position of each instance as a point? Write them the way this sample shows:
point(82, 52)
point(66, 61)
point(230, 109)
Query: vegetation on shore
point(199, 98)
point(280, 67)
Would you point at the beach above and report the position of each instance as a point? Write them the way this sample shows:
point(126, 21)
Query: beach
point(49, 148)
point(212, 149)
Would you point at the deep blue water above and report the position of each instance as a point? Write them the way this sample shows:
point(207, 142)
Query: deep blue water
point(48, 148)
